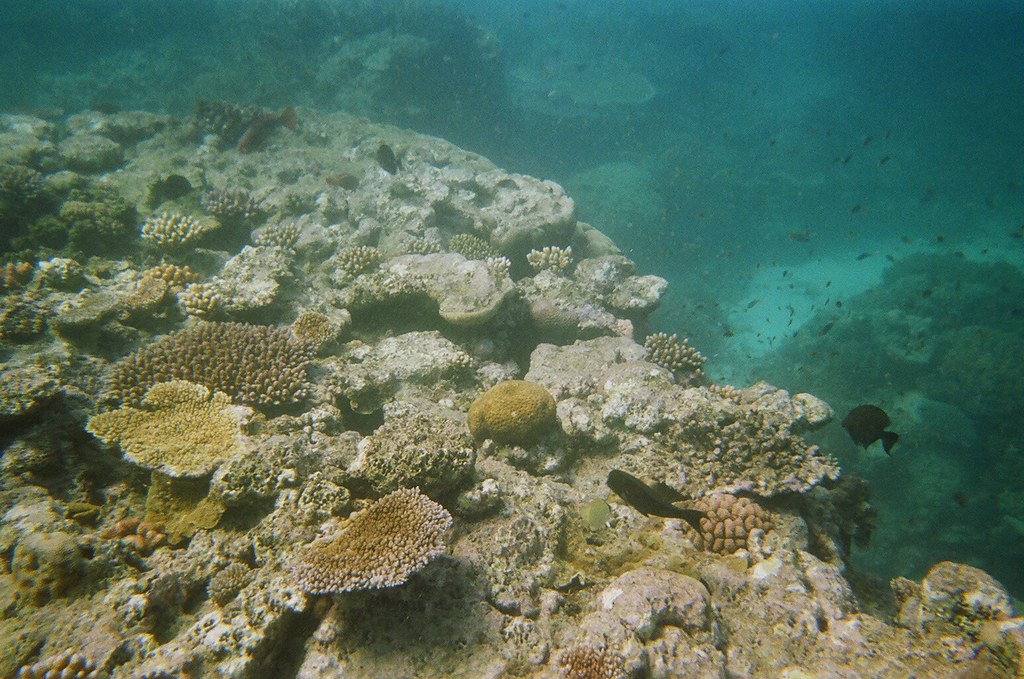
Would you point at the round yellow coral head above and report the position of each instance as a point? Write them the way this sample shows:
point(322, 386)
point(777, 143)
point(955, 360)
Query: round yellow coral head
point(515, 412)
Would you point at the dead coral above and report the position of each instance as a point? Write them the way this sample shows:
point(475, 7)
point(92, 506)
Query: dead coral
point(380, 546)
point(254, 364)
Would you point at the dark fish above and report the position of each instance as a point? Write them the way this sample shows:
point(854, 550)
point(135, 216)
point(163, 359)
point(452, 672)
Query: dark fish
point(862, 256)
point(866, 424)
point(169, 188)
point(256, 135)
point(825, 329)
point(960, 499)
point(653, 499)
point(387, 159)
point(883, 160)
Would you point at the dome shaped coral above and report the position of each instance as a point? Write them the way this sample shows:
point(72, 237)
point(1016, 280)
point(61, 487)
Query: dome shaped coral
point(515, 412)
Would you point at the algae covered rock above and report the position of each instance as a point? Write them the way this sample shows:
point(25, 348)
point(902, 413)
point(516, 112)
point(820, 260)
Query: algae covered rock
point(466, 290)
point(419, 444)
point(46, 565)
point(514, 412)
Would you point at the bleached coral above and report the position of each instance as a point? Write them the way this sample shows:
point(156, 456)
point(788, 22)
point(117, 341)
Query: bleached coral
point(550, 258)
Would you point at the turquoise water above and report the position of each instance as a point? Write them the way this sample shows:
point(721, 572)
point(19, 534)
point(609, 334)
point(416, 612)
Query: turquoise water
point(834, 190)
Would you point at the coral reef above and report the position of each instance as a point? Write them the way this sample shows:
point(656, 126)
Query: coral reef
point(729, 523)
point(471, 247)
point(550, 258)
point(228, 582)
point(173, 231)
point(253, 364)
point(181, 429)
point(380, 546)
point(358, 259)
point(66, 665)
point(583, 662)
point(678, 356)
point(516, 412)
point(236, 206)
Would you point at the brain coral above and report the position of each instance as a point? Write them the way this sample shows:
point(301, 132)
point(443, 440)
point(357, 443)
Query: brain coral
point(515, 412)
point(253, 364)
point(181, 429)
point(381, 546)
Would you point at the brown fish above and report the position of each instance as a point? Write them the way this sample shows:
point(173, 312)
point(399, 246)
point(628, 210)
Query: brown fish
point(866, 424)
point(653, 499)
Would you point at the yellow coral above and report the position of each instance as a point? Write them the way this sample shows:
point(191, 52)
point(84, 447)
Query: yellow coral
point(181, 430)
point(515, 412)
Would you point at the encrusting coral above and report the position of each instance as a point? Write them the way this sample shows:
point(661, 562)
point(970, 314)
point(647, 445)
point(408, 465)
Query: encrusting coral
point(253, 364)
point(380, 546)
point(181, 429)
point(515, 412)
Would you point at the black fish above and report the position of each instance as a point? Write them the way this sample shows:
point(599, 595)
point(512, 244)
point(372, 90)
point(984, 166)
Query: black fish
point(866, 424)
point(655, 499)
point(387, 159)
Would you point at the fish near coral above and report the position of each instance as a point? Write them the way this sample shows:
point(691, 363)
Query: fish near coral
point(654, 499)
point(866, 424)
point(258, 132)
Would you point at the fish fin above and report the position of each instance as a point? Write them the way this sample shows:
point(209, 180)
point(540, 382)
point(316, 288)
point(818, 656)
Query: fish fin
point(692, 517)
point(667, 493)
point(889, 439)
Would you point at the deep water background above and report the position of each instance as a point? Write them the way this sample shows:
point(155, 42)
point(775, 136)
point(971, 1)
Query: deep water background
point(834, 190)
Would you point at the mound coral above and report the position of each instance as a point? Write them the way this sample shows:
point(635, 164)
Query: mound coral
point(728, 523)
point(181, 430)
point(516, 412)
point(253, 364)
point(381, 546)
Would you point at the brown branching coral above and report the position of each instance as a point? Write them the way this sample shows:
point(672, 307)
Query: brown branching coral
point(142, 536)
point(173, 231)
point(358, 259)
point(253, 364)
point(728, 522)
point(236, 206)
point(381, 546)
point(675, 355)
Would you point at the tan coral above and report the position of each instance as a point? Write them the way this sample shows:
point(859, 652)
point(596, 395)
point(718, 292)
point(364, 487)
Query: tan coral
point(582, 662)
point(66, 665)
point(314, 327)
point(729, 522)
point(171, 230)
point(358, 259)
point(381, 546)
point(550, 258)
point(676, 355)
point(228, 582)
point(173, 275)
point(181, 429)
point(516, 412)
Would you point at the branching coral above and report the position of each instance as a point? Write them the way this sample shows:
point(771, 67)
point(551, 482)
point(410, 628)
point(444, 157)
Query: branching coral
point(228, 582)
point(172, 231)
point(254, 364)
point(381, 546)
point(583, 662)
point(675, 355)
point(236, 206)
point(358, 259)
point(181, 429)
point(728, 522)
point(550, 258)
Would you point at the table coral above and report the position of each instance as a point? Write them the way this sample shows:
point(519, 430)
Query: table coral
point(253, 364)
point(515, 412)
point(181, 429)
point(381, 546)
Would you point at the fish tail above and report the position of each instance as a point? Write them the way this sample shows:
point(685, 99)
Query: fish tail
point(889, 439)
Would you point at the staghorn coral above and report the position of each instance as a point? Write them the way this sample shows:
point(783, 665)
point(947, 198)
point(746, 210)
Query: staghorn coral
point(472, 247)
point(66, 665)
point(729, 521)
point(181, 429)
point(583, 662)
point(236, 206)
point(515, 412)
point(550, 258)
point(228, 582)
point(675, 355)
point(173, 231)
point(358, 259)
point(380, 546)
point(254, 364)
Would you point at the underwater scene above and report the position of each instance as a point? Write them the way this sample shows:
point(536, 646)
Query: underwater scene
point(559, 338)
